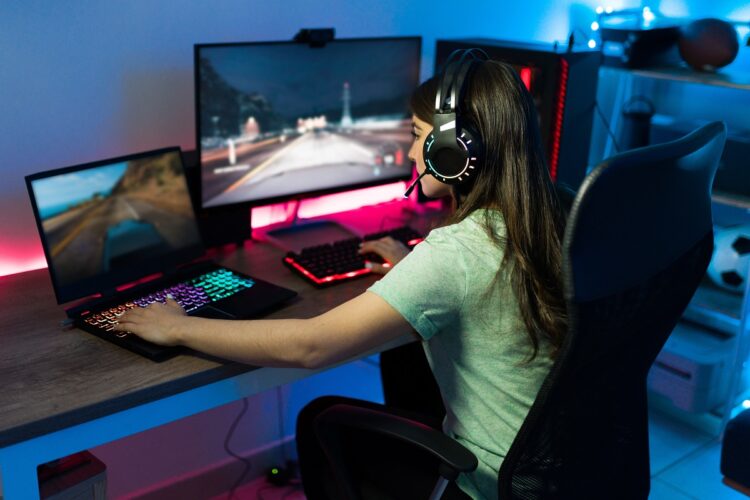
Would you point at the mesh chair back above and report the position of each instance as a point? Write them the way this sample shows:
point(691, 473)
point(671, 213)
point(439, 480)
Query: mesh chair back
point(638, 241)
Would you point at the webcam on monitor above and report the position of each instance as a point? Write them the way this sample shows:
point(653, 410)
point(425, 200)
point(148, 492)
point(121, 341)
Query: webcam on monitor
point(315, 37)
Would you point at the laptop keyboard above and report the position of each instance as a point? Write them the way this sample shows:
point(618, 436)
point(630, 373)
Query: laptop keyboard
point(340, 261)
point(190, 294)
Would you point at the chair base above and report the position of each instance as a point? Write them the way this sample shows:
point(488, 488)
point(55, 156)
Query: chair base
point(737, 486)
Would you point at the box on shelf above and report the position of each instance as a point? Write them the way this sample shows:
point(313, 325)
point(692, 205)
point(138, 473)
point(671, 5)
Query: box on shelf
point(694, 368)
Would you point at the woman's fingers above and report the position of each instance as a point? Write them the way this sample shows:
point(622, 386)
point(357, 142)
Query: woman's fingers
point(378, 268)
point(389, 249)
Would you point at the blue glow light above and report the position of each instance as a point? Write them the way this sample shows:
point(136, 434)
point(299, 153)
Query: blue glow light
point(592, 44)
point(594, 26)
point(648, 15)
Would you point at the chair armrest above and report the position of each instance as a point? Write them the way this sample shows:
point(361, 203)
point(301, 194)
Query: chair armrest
point(447, 450)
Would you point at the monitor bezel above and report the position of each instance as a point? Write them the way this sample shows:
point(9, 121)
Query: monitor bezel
point(249, 204)
point(107, 283)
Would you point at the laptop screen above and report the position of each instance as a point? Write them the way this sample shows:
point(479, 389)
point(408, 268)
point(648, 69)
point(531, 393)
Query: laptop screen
point(110, 222)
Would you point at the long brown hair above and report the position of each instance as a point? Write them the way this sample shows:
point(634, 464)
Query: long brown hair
point(513, 178)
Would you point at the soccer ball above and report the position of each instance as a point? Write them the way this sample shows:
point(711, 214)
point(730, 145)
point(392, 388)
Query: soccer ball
point(729, 265)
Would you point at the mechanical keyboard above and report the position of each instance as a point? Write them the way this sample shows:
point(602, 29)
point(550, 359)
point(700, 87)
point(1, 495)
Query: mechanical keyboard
point(339, 261)
point(191, 294)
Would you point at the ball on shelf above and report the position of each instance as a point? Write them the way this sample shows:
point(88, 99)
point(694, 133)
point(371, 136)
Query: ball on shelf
point(708, 44)
point(729, 265)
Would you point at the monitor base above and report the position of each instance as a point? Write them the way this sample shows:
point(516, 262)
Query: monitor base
point(303, 233)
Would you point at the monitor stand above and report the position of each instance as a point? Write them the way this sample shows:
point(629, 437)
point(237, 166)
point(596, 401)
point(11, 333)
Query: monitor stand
point(294, 234)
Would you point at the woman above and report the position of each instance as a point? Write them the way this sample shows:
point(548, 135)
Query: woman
point(483, 292)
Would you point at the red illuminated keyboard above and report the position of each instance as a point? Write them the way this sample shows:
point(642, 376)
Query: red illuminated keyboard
point(339, 261)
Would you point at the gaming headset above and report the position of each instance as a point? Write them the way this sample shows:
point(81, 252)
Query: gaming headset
point(452, 151)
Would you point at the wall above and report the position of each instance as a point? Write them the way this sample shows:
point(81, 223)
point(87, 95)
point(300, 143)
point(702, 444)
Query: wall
point(83, 79)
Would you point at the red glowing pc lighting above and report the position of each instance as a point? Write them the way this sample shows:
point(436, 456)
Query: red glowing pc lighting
point(525, 74)
point(326, 279)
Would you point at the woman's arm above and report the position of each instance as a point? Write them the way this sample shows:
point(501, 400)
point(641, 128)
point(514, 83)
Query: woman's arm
point(352, 328)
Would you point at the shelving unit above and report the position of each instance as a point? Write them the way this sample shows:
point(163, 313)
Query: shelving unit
point(731, 79)
point(630, 82)
point(698, 377)
point(701, 376)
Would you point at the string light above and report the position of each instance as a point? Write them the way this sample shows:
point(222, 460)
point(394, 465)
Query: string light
point(648, 15)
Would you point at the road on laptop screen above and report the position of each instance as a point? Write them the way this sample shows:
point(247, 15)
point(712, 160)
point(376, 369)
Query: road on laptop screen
point(115, 216)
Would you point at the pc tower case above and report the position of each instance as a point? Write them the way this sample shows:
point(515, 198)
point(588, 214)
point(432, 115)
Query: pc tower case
point(563, 83)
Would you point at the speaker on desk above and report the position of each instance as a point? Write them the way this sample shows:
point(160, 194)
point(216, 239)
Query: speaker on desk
point(218, 226)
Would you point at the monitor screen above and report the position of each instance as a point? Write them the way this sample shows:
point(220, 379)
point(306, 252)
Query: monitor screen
point(108, 222)
point(284, 120)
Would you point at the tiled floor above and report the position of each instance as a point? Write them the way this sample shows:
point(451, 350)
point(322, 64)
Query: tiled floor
point(684, 466)
point(685, 463)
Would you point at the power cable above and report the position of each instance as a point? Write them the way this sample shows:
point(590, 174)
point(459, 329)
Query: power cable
point(606, 125)
point(244, 460)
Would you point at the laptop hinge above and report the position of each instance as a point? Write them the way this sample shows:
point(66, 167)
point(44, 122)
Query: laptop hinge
point(78, 309)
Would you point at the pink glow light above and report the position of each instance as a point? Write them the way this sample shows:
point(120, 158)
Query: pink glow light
point(17, 260)
point(329, 204)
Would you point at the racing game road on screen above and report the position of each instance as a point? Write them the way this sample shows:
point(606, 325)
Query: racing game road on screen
point(282, 119)
point(114, 216)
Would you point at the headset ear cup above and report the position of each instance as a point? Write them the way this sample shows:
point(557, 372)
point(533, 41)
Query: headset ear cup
point(457, 161)
point(428, 156)
point(475, 149)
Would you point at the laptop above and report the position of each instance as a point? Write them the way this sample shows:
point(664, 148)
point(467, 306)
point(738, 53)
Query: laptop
point(121, 233)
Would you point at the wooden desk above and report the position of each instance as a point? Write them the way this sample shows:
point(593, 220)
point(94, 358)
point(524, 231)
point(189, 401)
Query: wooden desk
point(62, 391)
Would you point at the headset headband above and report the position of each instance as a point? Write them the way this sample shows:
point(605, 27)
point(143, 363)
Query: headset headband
point(454, 75)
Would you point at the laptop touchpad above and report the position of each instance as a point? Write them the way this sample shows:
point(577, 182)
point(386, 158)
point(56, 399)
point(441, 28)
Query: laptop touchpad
point(212, 313)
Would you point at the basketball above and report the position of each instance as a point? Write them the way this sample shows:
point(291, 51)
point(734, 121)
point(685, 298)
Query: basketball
point(708, 44)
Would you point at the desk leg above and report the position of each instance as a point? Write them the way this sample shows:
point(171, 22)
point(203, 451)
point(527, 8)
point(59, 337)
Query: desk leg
point(19, 480)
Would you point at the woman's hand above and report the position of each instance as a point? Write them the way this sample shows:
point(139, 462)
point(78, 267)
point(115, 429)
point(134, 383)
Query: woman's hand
point(158, 323)
point(389, 249)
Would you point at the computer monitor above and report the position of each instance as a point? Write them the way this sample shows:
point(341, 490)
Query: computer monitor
point(279, 121)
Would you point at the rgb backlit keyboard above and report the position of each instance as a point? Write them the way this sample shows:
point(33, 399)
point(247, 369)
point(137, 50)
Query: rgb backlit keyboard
point(340, 261)
point(190, 294)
